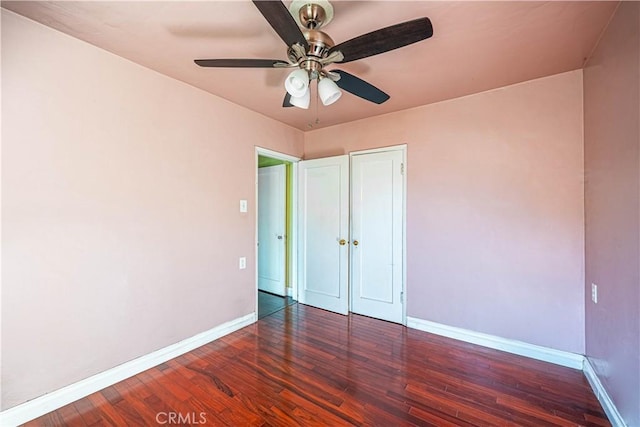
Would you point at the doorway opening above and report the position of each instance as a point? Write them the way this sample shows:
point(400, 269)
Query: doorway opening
point(275, 240)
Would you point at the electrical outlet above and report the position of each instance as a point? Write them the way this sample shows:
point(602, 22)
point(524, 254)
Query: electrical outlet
point(242, 264)
point(594, 293)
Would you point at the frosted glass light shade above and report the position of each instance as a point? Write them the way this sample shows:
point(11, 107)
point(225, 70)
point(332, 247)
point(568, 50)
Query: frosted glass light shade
point(297, 83)
point(328, 91)
point(301, 101)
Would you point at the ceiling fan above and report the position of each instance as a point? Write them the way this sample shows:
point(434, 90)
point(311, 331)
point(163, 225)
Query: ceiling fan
point(311, 50)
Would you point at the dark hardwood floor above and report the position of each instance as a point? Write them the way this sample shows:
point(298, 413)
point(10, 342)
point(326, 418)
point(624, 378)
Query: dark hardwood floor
point(270, 303)
point(304, 366)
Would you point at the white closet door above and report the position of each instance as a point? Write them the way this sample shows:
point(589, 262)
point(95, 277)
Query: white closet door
point(377, 191)
point(324, 230)
point(271, 229)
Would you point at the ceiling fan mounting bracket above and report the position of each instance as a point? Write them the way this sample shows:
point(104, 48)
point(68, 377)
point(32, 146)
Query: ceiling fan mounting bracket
point(311, 14)
point(296, 53)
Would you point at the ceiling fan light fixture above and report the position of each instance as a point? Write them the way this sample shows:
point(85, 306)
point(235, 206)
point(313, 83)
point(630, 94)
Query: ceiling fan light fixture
point(310, 50)
point(328, 91)
point(297, 83)
point(301, 101)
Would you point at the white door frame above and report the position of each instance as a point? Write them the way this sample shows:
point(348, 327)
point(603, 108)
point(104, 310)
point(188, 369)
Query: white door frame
point(403, 149)
point(293, 238)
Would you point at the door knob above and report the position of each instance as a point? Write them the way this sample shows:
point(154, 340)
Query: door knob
point(355, 243)
point(342, 242)
point(279, 237)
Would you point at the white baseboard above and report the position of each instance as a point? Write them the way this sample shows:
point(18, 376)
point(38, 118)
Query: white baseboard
point(603, 397)
point(558, 357)
point(51, 401)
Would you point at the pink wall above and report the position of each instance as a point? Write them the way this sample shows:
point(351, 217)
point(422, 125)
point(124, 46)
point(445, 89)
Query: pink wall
point(120, 193)
point(495, 229)
point(121, 230)
point(612, 197)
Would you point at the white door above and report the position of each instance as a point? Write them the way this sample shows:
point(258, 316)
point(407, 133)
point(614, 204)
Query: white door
point(377, 192)
point(323, 217)
point(271, 229)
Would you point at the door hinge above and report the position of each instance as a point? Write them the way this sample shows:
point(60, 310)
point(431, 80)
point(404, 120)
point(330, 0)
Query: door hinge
point(401, 168)
point(402, 297)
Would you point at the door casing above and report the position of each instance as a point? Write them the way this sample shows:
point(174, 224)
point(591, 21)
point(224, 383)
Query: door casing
point(293, 236)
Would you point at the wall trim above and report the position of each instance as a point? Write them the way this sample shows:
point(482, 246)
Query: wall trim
point(558, 357)
point(399, 147)
point(56, 399)
point(603, 397)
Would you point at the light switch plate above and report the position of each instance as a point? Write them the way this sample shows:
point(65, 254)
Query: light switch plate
point(243, 205)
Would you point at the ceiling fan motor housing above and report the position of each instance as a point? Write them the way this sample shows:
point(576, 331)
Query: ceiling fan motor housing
point(319, 43)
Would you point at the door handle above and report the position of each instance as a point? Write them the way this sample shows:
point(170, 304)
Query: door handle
point(342, 242)
point(355, 243)
point(279, 237)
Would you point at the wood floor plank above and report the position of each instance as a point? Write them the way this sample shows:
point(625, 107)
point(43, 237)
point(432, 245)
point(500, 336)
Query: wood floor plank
point(87, 412)
point(304, 366)
point(107, 411)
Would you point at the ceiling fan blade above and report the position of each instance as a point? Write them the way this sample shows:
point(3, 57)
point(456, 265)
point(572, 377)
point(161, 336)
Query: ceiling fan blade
point(241, 63)
point(277, 15)
point(359, 87)
point(384, 39)
point(287, 101)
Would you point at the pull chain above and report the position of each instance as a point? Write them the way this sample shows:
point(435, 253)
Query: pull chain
point(317, 121)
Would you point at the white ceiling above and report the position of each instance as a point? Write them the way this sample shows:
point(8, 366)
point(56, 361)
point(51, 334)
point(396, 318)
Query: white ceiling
point(476, 46)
